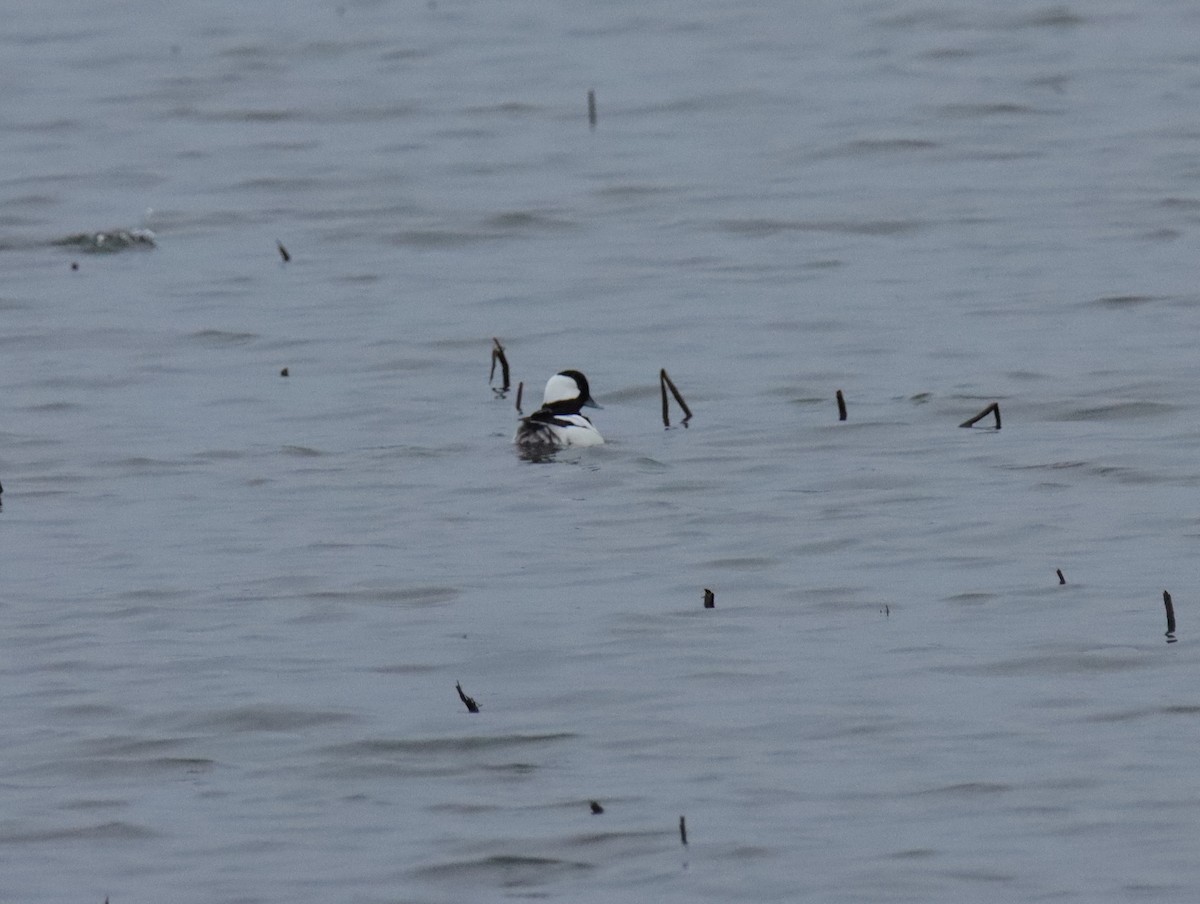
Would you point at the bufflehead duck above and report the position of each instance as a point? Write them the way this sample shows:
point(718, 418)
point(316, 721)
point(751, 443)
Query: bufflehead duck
point(558, 423)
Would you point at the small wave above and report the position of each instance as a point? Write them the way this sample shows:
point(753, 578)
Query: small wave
point(409, 596)
point(589, 839)
point(508, 108)
point(526, 220)
point(1054, 663)
point(752, 563)
point(109, 767)
point(762, 226)
point(425, 746)
point(433, 239)
point(966, 789)
point(632, 190)
point(1120, 411)
point(1053, 17)
point(505, 870)
point(1124, 301)
point(105, 831)
point(979, 111)
point(1131, 715)
point(269, 718)
point(221, 337)
point(868, 147)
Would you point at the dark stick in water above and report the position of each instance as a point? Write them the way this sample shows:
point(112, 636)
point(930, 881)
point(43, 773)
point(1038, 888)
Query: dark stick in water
point(993, 408)
point(841, 400)
point(1061, 579)
point(710, 599)
point(283, 252)
point(592, 109)
point(469, 702)
point(498, 355)
point(666, 382)
point(520, 389)
point(1170, 617)
point(682, 831)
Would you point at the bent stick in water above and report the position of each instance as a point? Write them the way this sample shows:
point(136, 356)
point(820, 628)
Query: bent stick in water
point(664, 382)
point(993, 408)
point(498, 355)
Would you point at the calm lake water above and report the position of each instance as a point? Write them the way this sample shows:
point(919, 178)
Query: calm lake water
point(235, 605)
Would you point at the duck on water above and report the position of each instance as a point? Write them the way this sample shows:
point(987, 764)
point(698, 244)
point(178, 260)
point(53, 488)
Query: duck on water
point(559, 423)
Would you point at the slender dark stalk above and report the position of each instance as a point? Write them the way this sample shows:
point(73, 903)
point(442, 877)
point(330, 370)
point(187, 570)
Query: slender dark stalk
point(682, 831)
point(1170, 617)
point(993, 408)
point(283, 252)
point(498, 355)
point(520, 389)
point(1061, 579)
point(592, 109)
point(469, 702)
point(662, 385)
point(841, 400)
point(666, 382)
point(710, 599)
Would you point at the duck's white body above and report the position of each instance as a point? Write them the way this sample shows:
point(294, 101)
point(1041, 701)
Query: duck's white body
point(558, 423)
point(557, 431)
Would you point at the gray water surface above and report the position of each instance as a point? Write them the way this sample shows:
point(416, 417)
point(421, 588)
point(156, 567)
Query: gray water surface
point(235, 605)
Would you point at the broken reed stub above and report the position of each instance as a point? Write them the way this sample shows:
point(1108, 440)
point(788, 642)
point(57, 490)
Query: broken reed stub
point(993, 408)
point(468, 702)
point(682, 831)
point(710, 599)
point(1061, 579)
point(592, 109)
point(665, 383)
point(284, 372)
point(498, 355)
point(283, 252)
point(596, 808)
point(520, 389)
point(841, 400)
point(1170, 617)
